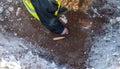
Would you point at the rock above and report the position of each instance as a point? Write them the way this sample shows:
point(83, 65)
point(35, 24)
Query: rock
point(15, 34)
point(118, 19)
point(118, 7)
point(9, 0)
point(18, 11)
point(1, 10)
point(113, 20)
point(22, 45)
point(11, 9)
point(18, 1)
point(9, 65)
point(90, 68)
point(19, 19)
point(115, 54)
point(7, 13)
point(1, 18)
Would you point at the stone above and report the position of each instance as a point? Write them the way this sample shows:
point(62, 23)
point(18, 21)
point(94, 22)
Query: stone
point(9, 0)
point(118, 7)
point(7, 13)
point(113, 20)
point(118, 19)
point(1, 10)
point(18, 11)
point(11, 9)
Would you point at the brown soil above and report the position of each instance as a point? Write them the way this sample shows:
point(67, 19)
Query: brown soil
point(67, 51)
point(70, 51)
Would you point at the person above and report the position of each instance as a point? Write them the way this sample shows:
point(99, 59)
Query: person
point(47, 11)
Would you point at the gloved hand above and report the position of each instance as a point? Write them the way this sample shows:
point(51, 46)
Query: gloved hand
point(63, 19)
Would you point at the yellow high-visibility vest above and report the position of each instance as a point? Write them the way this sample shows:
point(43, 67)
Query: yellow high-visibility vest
point(32, 11)
point(56, 12)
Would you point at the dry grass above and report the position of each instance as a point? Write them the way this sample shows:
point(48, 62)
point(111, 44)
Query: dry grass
point(76, 4)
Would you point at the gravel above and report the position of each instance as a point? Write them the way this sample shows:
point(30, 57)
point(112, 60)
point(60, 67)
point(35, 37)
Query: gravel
point(105, 51)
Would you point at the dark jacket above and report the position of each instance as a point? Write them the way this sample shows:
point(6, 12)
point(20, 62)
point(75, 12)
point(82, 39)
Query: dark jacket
point(45, 10)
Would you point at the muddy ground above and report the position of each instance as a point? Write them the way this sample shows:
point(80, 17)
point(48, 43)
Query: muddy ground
point(70, 51)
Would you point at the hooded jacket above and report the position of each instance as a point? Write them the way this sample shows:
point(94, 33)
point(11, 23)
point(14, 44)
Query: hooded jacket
point(46, 11)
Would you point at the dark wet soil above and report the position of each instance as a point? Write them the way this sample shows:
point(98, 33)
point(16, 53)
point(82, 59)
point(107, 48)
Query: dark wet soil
point(71, 50)
point(67, 51)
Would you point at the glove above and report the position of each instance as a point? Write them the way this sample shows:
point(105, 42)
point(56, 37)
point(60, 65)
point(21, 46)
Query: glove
point(63, 19)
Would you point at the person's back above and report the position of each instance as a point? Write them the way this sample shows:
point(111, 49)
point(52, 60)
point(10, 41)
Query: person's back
point(46, 9)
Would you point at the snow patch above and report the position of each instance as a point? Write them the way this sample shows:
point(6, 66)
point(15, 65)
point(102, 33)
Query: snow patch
point(105, 51)
point(13, 56)
point(118, 19)
point(1, 10)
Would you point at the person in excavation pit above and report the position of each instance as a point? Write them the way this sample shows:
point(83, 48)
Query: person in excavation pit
point(47, 11)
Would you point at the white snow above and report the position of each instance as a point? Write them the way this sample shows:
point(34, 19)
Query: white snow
point(1, 9)
point(118, 18)
point(14, 55)
point(105, 52)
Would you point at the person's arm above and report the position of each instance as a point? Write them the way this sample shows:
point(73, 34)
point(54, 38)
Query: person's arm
point(54, 6)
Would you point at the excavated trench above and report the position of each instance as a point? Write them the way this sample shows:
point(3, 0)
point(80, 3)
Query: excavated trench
point(72, 50)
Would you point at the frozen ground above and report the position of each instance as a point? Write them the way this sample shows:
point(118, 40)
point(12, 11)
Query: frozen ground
point(15, 19)
point(18, 49)
point(105, 51)
point(15, 53)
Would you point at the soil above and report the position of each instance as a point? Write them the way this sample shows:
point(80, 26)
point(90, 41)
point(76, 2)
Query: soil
point(69, 51)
